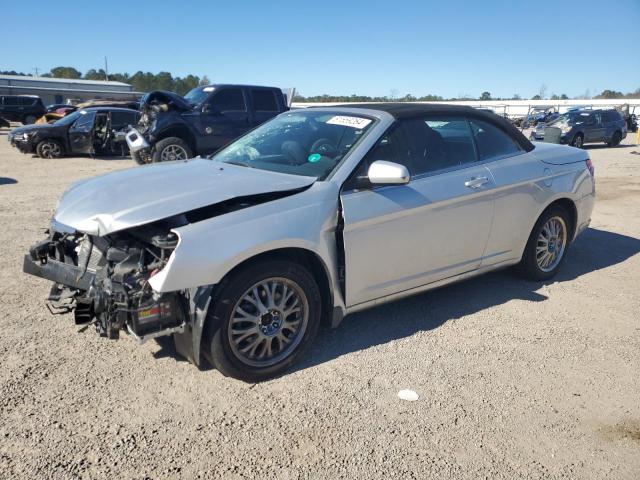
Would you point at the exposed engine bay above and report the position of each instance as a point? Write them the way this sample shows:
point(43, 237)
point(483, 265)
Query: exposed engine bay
point(105, 279)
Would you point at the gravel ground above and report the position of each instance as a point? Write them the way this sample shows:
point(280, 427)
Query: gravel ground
point(516, 379)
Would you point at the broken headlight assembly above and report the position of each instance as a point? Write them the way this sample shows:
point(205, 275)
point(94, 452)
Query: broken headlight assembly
point(105, 280)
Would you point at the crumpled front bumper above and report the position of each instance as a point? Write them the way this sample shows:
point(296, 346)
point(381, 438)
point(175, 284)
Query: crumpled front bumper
point(39, 264)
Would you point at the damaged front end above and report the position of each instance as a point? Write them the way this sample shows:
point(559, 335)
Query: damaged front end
point(167, 106)
point(105, 280)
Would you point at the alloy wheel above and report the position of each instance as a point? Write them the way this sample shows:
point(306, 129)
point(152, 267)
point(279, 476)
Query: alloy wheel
point(268, 322)
point(173, 152)
point(50, 150)
point(551, 244)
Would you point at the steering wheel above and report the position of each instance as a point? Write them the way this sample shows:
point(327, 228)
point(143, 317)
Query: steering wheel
point(324, 147)
point(294, 152)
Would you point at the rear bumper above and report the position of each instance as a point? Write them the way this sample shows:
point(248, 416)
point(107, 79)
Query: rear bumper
point(63, 273)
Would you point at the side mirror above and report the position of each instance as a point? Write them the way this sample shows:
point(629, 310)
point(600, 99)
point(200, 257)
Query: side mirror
point(382, 172)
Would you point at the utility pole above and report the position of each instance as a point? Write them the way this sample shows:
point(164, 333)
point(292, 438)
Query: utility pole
point(106, 69)
point(36, 69)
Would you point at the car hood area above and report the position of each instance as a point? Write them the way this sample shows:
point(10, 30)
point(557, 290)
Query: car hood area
point(141, 195)
point(172, 100)
point(45, 127)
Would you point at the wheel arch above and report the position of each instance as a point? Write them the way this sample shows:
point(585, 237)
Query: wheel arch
point(302, 256)
point(570, 207)
point(180, 131)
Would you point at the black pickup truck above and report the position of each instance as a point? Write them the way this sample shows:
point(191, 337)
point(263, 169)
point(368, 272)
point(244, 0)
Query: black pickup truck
point(172, 127)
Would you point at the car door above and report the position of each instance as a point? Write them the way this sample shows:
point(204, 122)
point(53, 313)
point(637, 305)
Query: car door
point(11, 109)
point(81, 133)
point(401, 237)
point(264, 105)
point(595, 130)
point(224, 118)
point(515, 174)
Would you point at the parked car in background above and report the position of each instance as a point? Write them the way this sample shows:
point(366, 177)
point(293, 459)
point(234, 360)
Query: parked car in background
point(542, 114)
point(207, 118)
point(318, 213)
point(54, 107)
point(25, 109)
point(586, 126)
point(98, 130)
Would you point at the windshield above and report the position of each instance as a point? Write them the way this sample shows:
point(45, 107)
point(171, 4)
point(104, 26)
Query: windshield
point(69, 119)
point(570, 118)
point(301, 142)
point(198, 95)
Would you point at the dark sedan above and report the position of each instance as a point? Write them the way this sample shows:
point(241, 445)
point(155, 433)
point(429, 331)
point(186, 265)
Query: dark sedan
point(86, 131)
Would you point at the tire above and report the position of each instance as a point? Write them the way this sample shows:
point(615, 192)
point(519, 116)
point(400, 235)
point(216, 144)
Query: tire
point(224, 349)
point(532, 265)
point(29, 120)
point(616, 138)
point(50, 149)
point(140, 159)
point(171, 149)
point(578, 141)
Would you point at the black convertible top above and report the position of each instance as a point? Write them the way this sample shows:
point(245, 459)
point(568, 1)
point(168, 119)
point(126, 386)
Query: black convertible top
point(411, 110)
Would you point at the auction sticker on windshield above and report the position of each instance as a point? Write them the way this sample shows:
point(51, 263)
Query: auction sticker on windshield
point(353, 122)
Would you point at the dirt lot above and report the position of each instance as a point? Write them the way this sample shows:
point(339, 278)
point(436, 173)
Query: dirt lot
point(516, 379)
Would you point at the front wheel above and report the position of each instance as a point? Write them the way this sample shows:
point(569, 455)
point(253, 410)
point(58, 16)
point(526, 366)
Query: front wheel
point(547, 245)
point(49, 149)
point(171, 149)
point(262, 320)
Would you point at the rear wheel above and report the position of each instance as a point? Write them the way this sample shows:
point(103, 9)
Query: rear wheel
point(547, 245)
point(578, 141)
point(616, 138)
point(262, 320)
point(171, 149)
point(49, 149)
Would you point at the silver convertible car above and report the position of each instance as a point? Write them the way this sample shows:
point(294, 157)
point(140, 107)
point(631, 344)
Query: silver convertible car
point(316, 214)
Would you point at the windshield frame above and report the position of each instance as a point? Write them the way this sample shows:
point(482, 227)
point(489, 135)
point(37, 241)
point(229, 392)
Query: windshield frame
point(201, 90)
point(322, 110)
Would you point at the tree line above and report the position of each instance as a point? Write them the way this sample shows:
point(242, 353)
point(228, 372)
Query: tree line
point(147, 81)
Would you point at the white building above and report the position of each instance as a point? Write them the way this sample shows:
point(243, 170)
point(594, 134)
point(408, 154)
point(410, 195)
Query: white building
point(59, 90)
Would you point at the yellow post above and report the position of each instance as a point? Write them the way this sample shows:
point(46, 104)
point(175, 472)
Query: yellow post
point(638, 136)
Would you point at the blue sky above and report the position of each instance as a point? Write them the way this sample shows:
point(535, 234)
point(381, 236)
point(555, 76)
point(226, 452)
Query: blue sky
point(447, 48)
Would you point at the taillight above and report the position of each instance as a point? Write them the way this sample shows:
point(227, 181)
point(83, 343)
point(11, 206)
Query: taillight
point(590, 167)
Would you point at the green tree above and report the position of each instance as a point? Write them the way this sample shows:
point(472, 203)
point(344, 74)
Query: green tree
point(564, 97)
point(536, 97)
point(205, 81)
point(485, 96)
point(65, 72)
point(610, 94)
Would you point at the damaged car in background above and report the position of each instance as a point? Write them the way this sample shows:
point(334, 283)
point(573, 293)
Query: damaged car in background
point(91, 131)
point(315, 214)
point(207, 118)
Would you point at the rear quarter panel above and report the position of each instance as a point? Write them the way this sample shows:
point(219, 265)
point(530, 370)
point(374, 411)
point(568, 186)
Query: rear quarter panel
point(525, 186)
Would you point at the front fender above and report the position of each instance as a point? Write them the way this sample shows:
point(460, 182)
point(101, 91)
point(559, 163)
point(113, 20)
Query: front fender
point(209, 249)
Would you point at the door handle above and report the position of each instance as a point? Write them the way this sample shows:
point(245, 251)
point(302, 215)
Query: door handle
point(476, 182)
